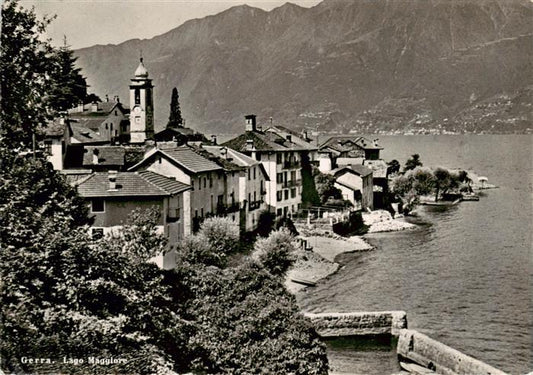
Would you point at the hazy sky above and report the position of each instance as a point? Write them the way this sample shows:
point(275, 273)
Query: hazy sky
point(89, 22)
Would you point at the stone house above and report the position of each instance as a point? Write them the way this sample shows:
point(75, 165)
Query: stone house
point(246, 184)
point(112, 196)
point(281, 156)
point(355, 183)
point(205, 177)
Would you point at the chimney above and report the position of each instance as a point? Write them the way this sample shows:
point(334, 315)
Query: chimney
point(214, 139)
point(116, 98)
point(250, 145)
point(112, 177)
point(107, 98)
point(304, 132)
point(94, 107)
point(250, 123)
point(224, 152)
point(289, 138)
point(80, 107)
point(95, 156)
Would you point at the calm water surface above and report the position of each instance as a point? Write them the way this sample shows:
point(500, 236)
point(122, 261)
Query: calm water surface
point(464, 276)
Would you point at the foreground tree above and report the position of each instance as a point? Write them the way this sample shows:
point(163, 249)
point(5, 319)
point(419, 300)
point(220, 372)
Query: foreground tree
point(26, 67)
point(175, 120)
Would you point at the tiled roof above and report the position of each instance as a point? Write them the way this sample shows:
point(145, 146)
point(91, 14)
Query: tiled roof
point(107, 155)
point(85, 135)
point(191, 160)
point(130, 184)
point(296, 138)
point(361, 170)
point(263, 141)
point(54, 128)
point(219, 159)
point(236, 157)
point(342, 143)
point(169, 185)
point(104, 108)
point(89, 122)
point(183, 157)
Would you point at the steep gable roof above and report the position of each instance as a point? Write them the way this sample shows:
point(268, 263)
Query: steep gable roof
point(183, 157)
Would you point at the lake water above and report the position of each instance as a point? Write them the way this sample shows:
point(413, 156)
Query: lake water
point(465, 275)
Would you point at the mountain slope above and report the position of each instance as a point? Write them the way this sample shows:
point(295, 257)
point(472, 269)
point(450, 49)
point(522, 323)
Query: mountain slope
point(364, 64)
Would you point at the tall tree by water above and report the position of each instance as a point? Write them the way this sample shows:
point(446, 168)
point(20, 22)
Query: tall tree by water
point(412, 163)
point(175, 120)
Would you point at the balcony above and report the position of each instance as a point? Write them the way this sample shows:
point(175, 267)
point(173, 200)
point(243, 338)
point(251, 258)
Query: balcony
point(234, 207)
point(223, 209)
point(292, 183)
point(254, 205)
point(291, 164)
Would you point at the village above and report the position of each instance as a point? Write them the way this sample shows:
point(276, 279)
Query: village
point(109, 151)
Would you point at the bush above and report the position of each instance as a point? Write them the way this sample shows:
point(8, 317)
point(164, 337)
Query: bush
point(286, 223)
point(265, 223)
point(354, 226)
point(276, 253)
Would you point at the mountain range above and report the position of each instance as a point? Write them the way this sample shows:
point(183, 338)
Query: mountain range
point(342, 65)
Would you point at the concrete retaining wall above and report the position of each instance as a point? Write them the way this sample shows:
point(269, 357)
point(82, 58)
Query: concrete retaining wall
point(440, 358)
point(359, 323)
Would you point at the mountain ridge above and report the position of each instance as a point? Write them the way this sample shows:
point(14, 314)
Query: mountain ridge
point(340, 65)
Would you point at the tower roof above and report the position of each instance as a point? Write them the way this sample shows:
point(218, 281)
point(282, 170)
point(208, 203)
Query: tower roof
point(141, 71)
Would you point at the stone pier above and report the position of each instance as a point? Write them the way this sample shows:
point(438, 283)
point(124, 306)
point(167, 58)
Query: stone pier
point(358, 323)
point(439, 358)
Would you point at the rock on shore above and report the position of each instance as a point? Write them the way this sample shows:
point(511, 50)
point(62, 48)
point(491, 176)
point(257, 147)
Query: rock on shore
point(382, 221)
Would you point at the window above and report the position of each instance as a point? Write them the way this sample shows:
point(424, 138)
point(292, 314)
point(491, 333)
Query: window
point(255, 197)
point(279, 158)
point(97, 233)
point(249, 198)
point(200, 183)
point(48, 147)
point(212, 204)
point(116, 113)
point(111, 126)
point(249, 174)
point(254, 173)
point(97, 205)
point(279, 212)
point(210, 181)
point(258, 156)
point(195, 213)
point(137, 96)
point(279, 178)
point(192, 184)
point(293, 193)
point(279, 195)
point(106, 126)
point(202, 212)
point(286, 194)
point(205, 182)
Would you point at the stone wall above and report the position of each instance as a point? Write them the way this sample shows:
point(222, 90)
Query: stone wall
point(358, 323)
point(438, 357)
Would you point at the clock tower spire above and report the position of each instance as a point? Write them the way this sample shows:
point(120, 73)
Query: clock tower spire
point(141, 105)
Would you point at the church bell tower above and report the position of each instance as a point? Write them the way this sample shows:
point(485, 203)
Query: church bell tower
point(141, 106)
